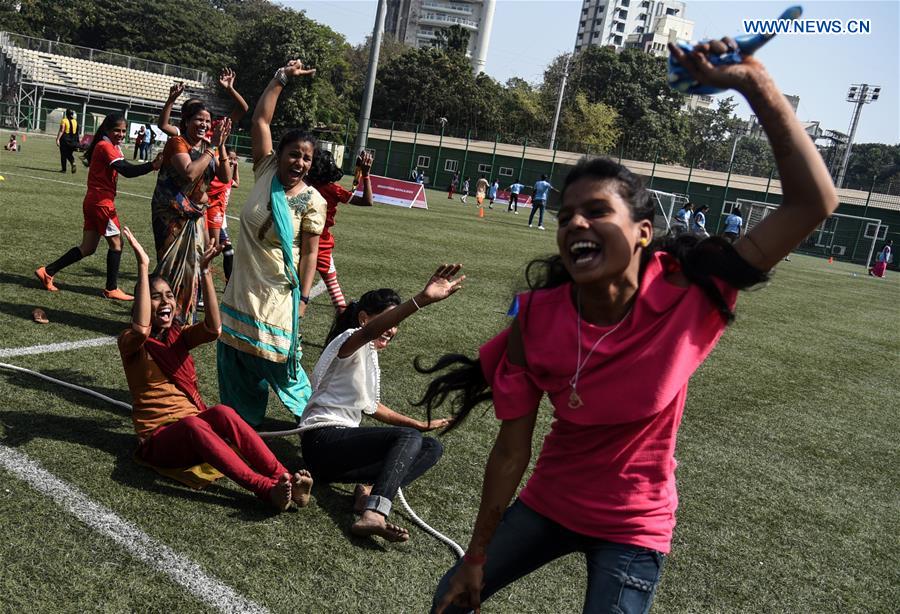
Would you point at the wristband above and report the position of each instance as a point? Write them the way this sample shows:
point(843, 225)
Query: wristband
point(418, 307)
point(281, 77)
point(204, 272)
point(473, 559)
point(305, 299)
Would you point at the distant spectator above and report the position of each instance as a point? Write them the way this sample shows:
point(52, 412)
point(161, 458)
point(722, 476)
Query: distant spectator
point(453, 183)
point(541, 193)
point(681, 223)
point(514, 191)
point(420, 178)
point(884, 257)
point(67, 140)
point(733, 224)
point(13, 145)
point(139, 137)
point(492, 193)
point(465, 191)
point(149, 141)
point(481, 187)
point(698, 222)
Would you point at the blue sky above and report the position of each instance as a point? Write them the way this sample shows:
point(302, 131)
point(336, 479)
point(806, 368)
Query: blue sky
point(528, 34)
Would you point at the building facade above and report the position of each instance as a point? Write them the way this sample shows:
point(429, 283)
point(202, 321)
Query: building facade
point(646, 24)
point(418, 22)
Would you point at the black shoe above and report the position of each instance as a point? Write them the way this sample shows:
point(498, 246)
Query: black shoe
point(73, 169)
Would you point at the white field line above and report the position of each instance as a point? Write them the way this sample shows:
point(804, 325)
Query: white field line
point(140, 545)
point(56, 347)
point(72, 183)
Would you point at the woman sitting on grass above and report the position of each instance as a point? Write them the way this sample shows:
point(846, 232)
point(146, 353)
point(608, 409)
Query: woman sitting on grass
point(175, 428)
point(347, 384)
point(613, 329)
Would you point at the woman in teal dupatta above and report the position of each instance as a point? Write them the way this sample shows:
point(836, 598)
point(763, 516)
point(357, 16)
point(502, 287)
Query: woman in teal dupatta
point(274, 266)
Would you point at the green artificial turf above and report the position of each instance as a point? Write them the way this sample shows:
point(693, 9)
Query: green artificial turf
point(788, 455)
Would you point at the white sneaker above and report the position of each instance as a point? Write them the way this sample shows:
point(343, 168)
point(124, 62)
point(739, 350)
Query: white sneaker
point(530, 226)
point(542, 228)
point(517, 213)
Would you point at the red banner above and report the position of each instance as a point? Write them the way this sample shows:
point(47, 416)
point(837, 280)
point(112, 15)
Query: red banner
point(503, 198)
point(396, 192)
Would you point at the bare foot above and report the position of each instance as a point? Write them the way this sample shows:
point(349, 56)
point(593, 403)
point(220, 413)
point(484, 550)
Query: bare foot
point(373, 523)
point(301, 484)
point(359, 498)
point(280, 495)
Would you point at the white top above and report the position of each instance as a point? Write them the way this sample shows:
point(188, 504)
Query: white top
point(343, 388)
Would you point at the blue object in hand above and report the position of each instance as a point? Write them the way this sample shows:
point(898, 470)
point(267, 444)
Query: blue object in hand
point(681, 80)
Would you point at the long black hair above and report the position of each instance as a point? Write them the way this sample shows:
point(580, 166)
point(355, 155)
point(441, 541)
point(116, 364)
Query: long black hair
point(323, 170)
point(372, 302)
point(105, 126)
point(700, 262)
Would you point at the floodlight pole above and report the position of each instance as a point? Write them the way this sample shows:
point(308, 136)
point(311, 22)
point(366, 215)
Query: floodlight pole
point(863, 96)
point(365, 110)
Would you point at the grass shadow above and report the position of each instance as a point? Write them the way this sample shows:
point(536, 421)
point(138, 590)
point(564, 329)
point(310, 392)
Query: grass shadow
point(83, 321)
point(22, 380)
point(338, 505)
point(30, 281)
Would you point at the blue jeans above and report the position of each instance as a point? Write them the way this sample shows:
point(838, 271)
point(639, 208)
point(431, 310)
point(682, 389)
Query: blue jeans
point(387, 457)
point(537, 205)
point(622, 579)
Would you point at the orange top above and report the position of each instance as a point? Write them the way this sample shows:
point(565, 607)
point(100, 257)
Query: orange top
point(156, 400)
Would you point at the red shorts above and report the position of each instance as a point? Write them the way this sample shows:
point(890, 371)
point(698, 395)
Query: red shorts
point(215, 217)
point(101, 218)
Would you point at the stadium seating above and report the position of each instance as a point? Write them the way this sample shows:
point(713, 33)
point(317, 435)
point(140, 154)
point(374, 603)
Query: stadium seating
point(91, 76)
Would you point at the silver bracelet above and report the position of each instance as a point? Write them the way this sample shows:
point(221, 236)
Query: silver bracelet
point(281, 76)
point(413, 299)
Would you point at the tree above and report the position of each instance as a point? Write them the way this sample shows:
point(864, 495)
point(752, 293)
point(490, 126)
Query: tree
point(710, 135)
point(592, 124)
point(284, 36)
point(454, 39)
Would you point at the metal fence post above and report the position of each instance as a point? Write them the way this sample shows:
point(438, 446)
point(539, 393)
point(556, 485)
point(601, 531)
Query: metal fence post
point(522, 162)
point(462, 173)
point(387, 156)
point(494, 155)
point(412, 158)
point(653, 171)
point(687, 189)
point(865, 213)
point(437, 164)
point(769, 183)
point(727, 181)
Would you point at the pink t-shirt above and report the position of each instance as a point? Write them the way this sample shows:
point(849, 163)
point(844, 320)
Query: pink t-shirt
point(607, 468)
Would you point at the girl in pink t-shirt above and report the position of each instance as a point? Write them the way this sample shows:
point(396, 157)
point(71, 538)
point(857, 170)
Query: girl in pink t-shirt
point(613, 329)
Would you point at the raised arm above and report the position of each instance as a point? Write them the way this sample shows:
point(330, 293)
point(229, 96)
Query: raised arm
point(226, 80)
point(223, 165)
point(809, 195)
point(212, 320)
point(174, 92)
point(260, 130)
point(364, 164)
point(235, 175)
point(132, 340)
point(441, 285)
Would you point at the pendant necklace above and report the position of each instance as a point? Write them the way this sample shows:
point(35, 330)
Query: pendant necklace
point(574, 398)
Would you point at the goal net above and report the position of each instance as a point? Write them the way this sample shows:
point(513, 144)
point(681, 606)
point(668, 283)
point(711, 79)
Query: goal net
point(845, 237)
point(666, 205)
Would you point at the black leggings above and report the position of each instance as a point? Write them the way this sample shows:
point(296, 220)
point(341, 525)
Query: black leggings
point(66, 154)
point(386, 457)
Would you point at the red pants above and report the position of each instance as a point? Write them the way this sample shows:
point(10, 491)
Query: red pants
point(204, 438)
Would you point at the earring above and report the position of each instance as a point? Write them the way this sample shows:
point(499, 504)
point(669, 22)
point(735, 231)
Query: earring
point(644, 242)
